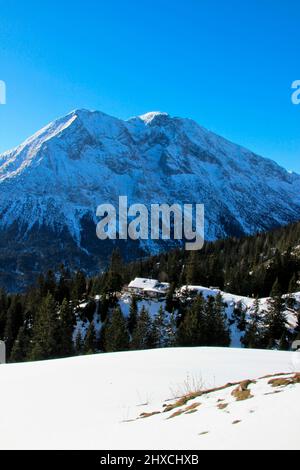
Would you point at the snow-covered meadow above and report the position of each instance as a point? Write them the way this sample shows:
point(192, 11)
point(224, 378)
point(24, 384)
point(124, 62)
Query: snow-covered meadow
point(92, 402)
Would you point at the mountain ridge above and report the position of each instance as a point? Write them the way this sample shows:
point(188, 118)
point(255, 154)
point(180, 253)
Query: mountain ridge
point(54, 181)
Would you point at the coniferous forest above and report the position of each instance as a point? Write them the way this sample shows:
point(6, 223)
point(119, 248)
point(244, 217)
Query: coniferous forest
point(42, 323)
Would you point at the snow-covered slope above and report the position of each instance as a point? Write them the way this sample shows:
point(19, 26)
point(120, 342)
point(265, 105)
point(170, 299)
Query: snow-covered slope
point(51, 185)
point(93, 402)
point(231, 302)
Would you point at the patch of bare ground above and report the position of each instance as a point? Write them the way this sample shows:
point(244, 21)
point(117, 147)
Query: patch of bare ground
point(187, 410)
point(222, 406)
point(279, 374)
point(283, 382)
point(148, 415)
point(175, 414)
point(192, 407)
point(242, 392)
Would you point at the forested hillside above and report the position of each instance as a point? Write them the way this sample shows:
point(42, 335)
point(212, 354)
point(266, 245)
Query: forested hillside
point(44, 322)
point(245, 266)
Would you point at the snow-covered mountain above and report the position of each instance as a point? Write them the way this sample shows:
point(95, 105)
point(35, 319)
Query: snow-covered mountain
point(51, 185)
point(116, 401)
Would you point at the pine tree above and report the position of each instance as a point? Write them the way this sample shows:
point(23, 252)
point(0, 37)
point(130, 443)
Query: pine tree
point(21, 346)
point(192, 330)
point(66, 329)
point(159, 334)
point(133, 315)
point(114, 279)
point(170, 299)
point(79, 286)
point(275, 319)
point(172, 329)
point(141, 336)
point(79, 343)
point(293, 285)
point(192, 268)
point(50, 283)
point(239, 317)
point(103, 308)
point(218, 333)
point(13, 323)
point(63, 289)
point(90, 342)
point(253, 332)
point(116, 333)
point(46, 333)
point(209, 321)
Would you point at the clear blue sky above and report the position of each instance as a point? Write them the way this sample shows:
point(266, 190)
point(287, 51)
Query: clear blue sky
point(227, 64)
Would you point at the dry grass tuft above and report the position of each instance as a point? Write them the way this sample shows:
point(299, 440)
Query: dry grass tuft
point(182, 401)
point(279, 382)
point(284, 382)
point(297, 378)
point(194, 389)
point(222, 406)
point(148, 415)
point(193, 407)
point(177, 413)
point(242, 392)
point(268, 376)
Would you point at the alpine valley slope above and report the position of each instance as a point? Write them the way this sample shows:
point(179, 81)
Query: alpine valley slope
point(51, 185)
point(115, 401)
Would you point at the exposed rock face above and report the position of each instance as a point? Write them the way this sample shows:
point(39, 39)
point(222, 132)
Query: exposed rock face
point(51, 185)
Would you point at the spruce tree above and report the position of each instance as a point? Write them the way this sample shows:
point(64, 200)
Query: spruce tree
point(46, 332)
point(209, 321)
point(192, 330)
point(159, 334)
point(63, 289)
point(114, 279)
point(219, 334)
point(141, 336)
point(170, 299)
point(21, 346)
point(78, 343)
point(116, 333)
point(90, 341)
point(172, 329)
point(192, 268)
point(133, 315)
point(14, 321)
point(79, 286)
point(66, 329)
point(253, 333)
point(293, 284)
point(276, 329)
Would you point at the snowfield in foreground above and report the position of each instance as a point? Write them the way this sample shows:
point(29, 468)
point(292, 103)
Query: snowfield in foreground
point(92, 402)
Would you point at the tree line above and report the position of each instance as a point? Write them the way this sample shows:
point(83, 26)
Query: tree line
point(40, 323)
